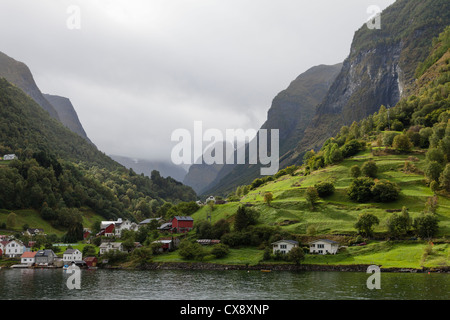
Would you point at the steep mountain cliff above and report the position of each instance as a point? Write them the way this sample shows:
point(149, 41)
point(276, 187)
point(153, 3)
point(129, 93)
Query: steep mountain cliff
point(20, 75)
point(380, 68)
point(67, 114)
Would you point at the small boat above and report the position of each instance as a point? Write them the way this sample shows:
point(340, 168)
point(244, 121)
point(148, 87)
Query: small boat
point(266, 270)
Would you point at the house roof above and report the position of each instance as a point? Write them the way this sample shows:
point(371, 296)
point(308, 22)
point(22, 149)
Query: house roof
point(113, 244)
point(162, 241)
point(149, 220)
point(70, 251)
point(288, 241)
point(324, 240)
point(28, 254)
point(166, 225)
point(184, 218)
point(90, 259)
point(45, 253)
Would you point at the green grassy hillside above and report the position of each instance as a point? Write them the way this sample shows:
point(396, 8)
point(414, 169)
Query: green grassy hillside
point(336, 214)
point(33, 219)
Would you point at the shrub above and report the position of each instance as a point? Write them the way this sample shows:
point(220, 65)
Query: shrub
point(268, 197)
point(244, 218)
point(426, 226)
point(435, 154)
point(191, 250)
point(324, 189)
point(397, 125)
point(267, 254)
point(355, 171)
point(433, 170)
point(369, 169)
point(402, 143)
point(351, 148)
point(445, 178)
point(312, 197)
point(365, 223)
point(360, 189)
point(296, 255)
point(388, 138)
point(220, 250)
point(385, 191)
point(311, 230)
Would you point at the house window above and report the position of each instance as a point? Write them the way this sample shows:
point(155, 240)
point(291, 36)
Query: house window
point(283, 246)
point(283, 251)
point(313, 245)
point(321, 246)
point(320, 251)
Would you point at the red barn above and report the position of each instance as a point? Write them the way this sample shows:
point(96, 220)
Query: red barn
point(91, 261)
point(182, 224)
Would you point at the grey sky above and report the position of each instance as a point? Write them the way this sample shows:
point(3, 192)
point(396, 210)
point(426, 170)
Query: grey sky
point(139, 69)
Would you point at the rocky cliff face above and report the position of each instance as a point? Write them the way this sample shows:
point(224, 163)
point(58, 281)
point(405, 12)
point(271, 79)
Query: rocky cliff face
point(380, 68)
point(59, 108)
point(67, 114)
point(20, 75)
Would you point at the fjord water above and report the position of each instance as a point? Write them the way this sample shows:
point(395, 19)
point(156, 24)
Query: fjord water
point(36, 284)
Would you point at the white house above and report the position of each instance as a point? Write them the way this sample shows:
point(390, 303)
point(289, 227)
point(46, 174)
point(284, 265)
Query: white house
point(9, 157)
point(110, 246)
point(72, 255)
point(13, 249)
point(323, 246)
point(124, 225)
point(284, 246)
point(28, 258)
point(210, 198)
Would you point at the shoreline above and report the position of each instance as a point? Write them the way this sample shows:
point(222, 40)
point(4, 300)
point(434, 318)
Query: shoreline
point(279, 267)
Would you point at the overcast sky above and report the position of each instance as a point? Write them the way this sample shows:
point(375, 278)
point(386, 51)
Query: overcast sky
point(138, 69)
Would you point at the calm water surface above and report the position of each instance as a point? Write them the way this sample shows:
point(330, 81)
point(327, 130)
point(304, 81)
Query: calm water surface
point(46, 284)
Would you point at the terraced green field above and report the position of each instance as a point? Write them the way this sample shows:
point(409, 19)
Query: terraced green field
point(337, 213)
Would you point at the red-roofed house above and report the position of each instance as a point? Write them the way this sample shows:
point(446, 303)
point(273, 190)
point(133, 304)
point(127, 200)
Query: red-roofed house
point(28, 258)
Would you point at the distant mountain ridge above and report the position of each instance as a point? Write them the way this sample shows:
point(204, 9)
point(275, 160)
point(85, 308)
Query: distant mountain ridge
point(147, 166)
